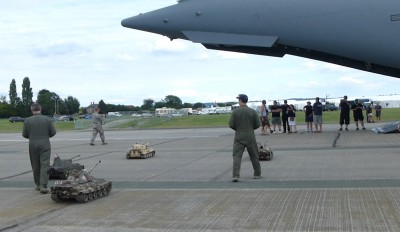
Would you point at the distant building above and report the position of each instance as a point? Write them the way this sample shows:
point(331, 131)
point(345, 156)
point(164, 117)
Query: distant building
point(90, 108)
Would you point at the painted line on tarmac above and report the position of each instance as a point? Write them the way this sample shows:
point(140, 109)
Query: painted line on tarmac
point(244, 183)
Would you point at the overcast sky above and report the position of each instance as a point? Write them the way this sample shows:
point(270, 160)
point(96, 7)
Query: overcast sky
point(79, 48)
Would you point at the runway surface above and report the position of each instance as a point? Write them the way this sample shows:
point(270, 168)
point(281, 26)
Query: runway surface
point(330, 181)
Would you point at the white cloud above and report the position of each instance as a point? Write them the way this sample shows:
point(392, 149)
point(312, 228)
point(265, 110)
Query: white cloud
point(351, 80)
point(127, 57)
point(165, 45)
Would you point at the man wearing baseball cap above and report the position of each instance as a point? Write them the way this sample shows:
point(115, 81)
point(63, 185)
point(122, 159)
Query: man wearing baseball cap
point(244, 121)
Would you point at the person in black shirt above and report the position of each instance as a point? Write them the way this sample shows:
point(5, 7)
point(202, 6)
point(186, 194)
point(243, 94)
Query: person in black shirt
point(357, 109)
point(317, 111)
point(285, 121)
point(309, 116)
point(276, 116)
point(344, 113)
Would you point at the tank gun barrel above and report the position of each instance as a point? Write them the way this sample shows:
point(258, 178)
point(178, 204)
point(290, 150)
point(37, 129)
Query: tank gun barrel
point(94, 166)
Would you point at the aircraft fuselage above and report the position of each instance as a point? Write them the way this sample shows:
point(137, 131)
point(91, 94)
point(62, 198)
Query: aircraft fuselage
point(362, 34)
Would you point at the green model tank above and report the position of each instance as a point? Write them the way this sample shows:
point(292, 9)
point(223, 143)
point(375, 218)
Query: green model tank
point(140, 151)
point(81, 186)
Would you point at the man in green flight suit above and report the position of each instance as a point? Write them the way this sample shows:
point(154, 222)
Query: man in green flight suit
point(244, 121)
point(38, 129)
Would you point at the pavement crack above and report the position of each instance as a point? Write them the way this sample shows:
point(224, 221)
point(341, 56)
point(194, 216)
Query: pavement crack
point(336, 139)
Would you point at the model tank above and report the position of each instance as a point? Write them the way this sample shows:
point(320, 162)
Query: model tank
point(264, 152)
point(140, 151)
point(81, 186)
point(61, 167)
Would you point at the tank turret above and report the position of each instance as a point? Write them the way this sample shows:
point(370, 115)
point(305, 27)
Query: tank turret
point(264, 152)
point(81, 186)
point(61, 167)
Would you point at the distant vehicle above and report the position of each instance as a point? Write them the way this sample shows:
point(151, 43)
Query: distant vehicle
point(160, 112)
point(176, 115)
point(88, 116)
point(16, 119)
point(329, 107)
point(223, 110)
point(113, 114)
point(135, 115)
point(147, 115)
point(66, 118)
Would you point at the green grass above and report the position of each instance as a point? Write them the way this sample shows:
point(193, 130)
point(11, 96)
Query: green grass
point(7, 127)
point(330, 117)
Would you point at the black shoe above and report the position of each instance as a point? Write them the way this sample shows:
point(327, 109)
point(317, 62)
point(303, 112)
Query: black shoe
point(235, 180)
point(347, 129)
point(357, 128)
point(363, 128)
point(340, 129)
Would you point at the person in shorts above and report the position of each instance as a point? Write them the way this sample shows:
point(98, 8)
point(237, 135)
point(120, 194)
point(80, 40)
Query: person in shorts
point(317, 111)
point(265, 126)
point(344, 117)
point(378, 111)
point(292, 119)
point(358, 116)
point(276, 116)
point(308, 116)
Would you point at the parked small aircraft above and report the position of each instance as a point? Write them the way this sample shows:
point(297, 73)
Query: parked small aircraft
point(361, 34)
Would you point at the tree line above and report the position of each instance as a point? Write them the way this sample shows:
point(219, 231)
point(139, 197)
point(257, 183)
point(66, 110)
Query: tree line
point(53, 104)
point(172, 101)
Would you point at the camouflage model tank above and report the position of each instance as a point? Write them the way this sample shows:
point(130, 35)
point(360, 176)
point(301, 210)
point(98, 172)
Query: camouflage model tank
point(81, 186)
point(140, 151)
point(61, 167)
point(264, 152)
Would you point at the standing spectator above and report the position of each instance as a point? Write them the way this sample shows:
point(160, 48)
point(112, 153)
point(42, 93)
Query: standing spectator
point(378, 111)
point(344, 113)
point(357, 109)
point(244, 121)
point(308, 110)
point(285, 121)
point(292, 119)
point(317, 111)
point(97, 126)
point(368, 112)
point(264, 118)
point(276, 116)
point(38, 129)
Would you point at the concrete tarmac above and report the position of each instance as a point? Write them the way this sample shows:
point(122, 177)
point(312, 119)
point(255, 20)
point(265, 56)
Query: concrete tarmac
point(330, 181)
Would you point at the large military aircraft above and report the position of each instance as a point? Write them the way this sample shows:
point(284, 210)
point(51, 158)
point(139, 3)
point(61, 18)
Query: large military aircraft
point(362, 34)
